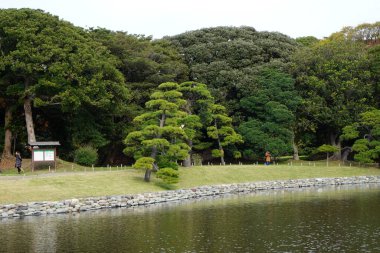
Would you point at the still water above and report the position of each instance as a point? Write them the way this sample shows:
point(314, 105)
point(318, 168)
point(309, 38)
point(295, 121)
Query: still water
point(333, 219)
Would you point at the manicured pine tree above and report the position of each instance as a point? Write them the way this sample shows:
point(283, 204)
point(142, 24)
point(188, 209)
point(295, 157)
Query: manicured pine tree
point(160, 135)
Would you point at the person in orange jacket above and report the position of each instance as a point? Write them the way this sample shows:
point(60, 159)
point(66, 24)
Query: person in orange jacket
point(267, 158)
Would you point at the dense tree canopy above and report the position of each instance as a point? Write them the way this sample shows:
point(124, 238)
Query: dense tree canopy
point(49, 63)
point(248, 91)
point(227, 59)
point(334, 80)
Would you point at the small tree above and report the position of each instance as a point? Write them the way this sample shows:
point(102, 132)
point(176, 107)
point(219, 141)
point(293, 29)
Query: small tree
point(168, 175)
point(222, 131)
point(327, 149)
point(159, 133)
point(86, 156)
point(198, 107)
point(145, 163)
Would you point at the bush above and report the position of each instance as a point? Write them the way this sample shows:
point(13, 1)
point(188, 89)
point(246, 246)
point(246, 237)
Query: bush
point(163, 162)
point(86, 156)
point(168, 175)
point(197, 159)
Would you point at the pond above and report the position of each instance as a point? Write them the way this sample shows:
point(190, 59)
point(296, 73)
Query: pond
point(328, 219)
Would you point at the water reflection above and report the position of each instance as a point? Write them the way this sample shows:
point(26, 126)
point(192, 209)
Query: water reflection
point(334, 219)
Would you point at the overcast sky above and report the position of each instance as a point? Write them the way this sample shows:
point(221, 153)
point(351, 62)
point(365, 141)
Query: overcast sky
point(296, 18)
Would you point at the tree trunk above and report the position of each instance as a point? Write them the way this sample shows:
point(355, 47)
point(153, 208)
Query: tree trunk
point(147, 175)
point(335, 141)
point(222, 158)
point(222, 162)
point(345, 153)
point(221, 152)
point(296, 156)
point(29, 119)
point(187, 161)
point(7, 150)
point(162, 124)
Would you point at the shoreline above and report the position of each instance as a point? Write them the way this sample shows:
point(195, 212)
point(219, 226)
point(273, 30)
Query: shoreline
point(77, 205)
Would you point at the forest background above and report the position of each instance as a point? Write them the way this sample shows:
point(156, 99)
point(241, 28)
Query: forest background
point(90, 89)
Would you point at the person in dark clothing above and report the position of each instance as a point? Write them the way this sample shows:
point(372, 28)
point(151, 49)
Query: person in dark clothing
point(18, 162)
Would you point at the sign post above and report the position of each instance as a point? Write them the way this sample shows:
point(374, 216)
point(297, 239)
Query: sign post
point(42, 155)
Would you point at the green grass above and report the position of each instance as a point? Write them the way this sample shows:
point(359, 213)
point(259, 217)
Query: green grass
point(66, 183)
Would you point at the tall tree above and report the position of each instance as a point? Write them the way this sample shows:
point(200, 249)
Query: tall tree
point(366, 133)
point(159, 135)
point(53, 62)
point(222, 132)
point(198, 106)
point(333, 78)
point(227, 59)
point(145, 64)
point(271, 115)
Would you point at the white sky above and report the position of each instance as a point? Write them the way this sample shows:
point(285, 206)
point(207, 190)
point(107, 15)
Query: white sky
point(296, 18)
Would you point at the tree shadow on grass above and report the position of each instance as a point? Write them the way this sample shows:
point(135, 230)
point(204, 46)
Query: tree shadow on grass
point(165, 185)
point(157, 182)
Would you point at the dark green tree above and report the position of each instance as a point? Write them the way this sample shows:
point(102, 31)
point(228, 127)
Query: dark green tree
point(271, 115)
point(198, 106)
point(227, 59)
point(49, 63)
point(222, 132)
point(145, 63)
point(160, 135)
point(366, 133)
point(334, 79)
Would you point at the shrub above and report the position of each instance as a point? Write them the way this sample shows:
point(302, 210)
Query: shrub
point(86, 156)
point(197, 159)
point(168, 175)
point(164, 162)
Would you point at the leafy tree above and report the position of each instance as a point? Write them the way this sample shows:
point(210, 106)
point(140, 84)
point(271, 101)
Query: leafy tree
point(222, 132)
point(145, 163)
point(334, 79)
point(270, 111)
point(86, 156)
point(307, 41)
point(145, 63)
point(327, 149)
point(366, 32)
point(159, 134)
point(227, 59)
point(50, 62)
point(198, 107)
point(168, 175)
point(366, 133)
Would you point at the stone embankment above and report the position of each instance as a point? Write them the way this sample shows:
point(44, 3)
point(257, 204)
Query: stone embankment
point(94, 203)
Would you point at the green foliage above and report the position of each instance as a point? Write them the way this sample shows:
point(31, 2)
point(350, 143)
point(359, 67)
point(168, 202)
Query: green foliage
point(366, 133)
point(217, 153)
point(168, 175)
point(86, 155)
point(159, 133)
point(334, 80)
point(72, 79)
point(350, 132)
point(327, 148)
point(307, 41)
point(271, 111)
point(197, 159)
point(164, 162)
point(237, 154)
point(222, 131)
point(227, 59)
point(145, 163)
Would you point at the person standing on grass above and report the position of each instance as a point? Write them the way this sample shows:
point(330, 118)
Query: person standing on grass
point(267, 158)
point(18, 162)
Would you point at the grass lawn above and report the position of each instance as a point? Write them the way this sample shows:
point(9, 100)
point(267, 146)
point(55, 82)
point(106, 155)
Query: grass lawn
point(79, 182)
